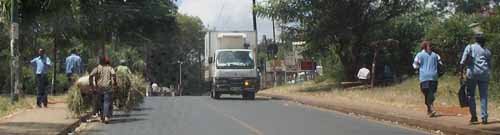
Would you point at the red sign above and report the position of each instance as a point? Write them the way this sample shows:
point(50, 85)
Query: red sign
point(307, 65)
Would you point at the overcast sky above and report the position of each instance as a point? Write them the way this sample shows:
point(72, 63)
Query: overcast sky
point(226, 15)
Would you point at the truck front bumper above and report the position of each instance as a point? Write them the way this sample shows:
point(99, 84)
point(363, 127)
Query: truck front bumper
point(235, 85)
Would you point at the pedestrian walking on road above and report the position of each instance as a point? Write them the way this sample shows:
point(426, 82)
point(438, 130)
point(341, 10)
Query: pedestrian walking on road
point(102, 79)
point(41, 65)
point(427, 62)
point(476, 58)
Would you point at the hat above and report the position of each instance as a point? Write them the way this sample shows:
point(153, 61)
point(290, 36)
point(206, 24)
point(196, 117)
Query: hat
point(476, 28)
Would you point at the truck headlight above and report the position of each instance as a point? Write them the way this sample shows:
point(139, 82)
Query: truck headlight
point(246, 83)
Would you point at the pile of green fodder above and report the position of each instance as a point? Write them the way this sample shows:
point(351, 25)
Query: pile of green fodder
point(127, 95)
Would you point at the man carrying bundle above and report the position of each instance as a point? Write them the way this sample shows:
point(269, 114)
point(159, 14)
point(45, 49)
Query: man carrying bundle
point(122, 94)
point(101, 79)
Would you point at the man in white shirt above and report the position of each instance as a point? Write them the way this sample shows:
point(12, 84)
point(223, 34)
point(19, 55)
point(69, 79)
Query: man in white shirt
point(364, 74)
point(155, 89)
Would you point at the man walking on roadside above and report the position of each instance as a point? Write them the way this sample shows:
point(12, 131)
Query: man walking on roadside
point(477, 58)
point(427, 62)
point(41, 65)
point(101, 79)
point(73, 65)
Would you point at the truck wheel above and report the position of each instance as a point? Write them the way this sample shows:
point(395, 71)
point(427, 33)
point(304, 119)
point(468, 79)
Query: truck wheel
point(248, 95)
point(214, 94)
point(244, 95)
point(217, 95)
point(251, 95)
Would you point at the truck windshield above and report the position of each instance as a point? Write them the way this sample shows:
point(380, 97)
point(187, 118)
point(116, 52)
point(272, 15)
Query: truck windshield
point(235, 60)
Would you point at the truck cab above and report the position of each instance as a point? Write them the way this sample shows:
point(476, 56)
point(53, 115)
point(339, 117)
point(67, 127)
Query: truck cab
point(230, 66)
point(235, 73)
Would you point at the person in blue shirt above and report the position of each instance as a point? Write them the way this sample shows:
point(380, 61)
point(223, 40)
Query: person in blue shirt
point(73, 65)
point(477, 59)
point(41, 65)
point(427, 62)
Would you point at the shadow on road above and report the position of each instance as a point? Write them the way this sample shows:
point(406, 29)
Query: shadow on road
point(142, 109)
point(491, 126)
point(128, 115)
point(241, 99)
point(493, 122)
point(124, 120)
point(92, 131)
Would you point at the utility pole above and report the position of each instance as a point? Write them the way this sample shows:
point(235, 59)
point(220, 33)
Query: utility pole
point(274, 31)
point(14, 69)
point(274, 58)
point(180, 77)
point(254, 16)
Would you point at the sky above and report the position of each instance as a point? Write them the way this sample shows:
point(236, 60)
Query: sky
point(226, 15)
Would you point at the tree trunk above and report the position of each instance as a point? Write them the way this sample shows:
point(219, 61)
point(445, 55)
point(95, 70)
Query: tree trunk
point(55, 61)
point(349, 63)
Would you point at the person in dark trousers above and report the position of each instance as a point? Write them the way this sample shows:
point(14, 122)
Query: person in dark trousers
point(73, 65)
point(427, 62)
point(102, 79)
point(477, 59)
point(41, 65)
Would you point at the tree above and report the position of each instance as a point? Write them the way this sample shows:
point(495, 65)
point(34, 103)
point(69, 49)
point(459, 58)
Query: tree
point(91, 26)
point(343, 26)
point(463, 6)
point(187, 42)
point(451, 36)
point(491, 26)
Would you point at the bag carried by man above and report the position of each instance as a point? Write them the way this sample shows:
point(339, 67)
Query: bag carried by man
point(462, 95)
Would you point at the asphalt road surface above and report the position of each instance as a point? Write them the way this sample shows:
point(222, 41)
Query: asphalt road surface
point(201, 115)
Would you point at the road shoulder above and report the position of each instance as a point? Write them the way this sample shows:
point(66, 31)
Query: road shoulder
point(56, 119)
point(447, 123)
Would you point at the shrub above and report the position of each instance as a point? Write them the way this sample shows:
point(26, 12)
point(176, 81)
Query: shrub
point(332, 67)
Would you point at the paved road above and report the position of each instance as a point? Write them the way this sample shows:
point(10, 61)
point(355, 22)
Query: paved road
point(204, 116)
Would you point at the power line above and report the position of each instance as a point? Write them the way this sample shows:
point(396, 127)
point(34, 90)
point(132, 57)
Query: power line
point(220, 12)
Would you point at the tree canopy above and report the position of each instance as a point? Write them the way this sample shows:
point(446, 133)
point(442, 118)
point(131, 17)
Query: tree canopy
point(143, 32)
point(344, 26)
point(339, 34)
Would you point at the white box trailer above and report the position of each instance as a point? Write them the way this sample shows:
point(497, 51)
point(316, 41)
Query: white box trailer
point(230, 64)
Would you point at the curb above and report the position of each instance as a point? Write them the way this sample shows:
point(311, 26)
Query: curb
point(71, 127)
point(449, 129)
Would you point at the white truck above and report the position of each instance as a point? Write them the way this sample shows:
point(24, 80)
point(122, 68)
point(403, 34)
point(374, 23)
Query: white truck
point(230, 65)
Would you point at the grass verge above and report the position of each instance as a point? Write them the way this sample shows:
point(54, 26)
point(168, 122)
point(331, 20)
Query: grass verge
point(7, 108)
point(404, 95)
point(26, 102)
